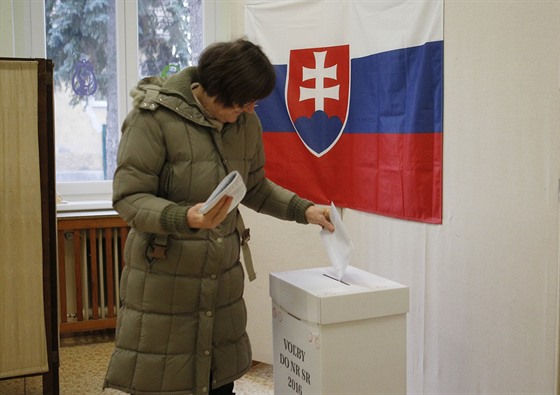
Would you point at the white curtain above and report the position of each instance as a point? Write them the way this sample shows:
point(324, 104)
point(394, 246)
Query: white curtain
point(22, 325)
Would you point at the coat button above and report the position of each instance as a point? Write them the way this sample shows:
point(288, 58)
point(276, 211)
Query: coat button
point(204, 389)
point(219, 240)
point(208, 314)
point(213, 276)
point(206, 352)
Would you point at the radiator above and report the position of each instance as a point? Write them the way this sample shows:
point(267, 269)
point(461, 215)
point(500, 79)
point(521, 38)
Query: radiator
point(90, 260)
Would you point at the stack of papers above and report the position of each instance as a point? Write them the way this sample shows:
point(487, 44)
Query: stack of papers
point(232, 185)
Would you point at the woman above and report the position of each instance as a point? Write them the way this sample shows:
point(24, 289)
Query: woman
point(181, 328)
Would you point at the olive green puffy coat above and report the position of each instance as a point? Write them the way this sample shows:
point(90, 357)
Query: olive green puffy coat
point(183, 315)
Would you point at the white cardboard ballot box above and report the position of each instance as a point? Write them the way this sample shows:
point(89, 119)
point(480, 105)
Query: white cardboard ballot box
point(338, 337)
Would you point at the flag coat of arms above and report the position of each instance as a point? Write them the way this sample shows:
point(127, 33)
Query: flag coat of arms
point(356, 117)
point(317, 93)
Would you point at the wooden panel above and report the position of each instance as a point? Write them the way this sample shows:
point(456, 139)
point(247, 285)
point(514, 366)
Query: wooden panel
point(109, 270)
point(78, 274)
point(22, 327)
point(93, 274)
point(17, 124)
point(62, 276)
point(86, 326)
point(91, 233)
point(72, 223)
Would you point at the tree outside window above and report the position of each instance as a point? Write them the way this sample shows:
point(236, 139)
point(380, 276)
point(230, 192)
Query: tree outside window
point(82, 42)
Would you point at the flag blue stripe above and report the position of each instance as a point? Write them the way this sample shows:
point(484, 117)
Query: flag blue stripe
point(399, 91)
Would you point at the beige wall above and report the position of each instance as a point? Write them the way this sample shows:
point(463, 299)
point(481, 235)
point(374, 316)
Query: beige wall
point(484, 285)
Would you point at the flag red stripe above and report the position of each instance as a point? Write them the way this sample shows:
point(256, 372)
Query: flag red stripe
point(377, 173)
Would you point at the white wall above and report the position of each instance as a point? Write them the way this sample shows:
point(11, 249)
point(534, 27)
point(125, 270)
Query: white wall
point(484, 284)
point(22, 29)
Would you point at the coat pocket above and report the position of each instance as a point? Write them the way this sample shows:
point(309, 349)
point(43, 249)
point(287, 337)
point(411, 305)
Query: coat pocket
point(165, 180)
point(156, 249)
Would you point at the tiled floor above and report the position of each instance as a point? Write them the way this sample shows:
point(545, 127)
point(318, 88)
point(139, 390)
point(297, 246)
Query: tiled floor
point(84, 360)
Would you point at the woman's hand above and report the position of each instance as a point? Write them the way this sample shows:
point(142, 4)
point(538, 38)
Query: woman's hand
point(214, 217)
point(319, 216)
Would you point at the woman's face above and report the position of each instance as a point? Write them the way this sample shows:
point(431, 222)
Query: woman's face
point(230, 114)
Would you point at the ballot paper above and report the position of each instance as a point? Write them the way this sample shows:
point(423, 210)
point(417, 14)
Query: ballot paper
point(232, 185)
point(338, 244)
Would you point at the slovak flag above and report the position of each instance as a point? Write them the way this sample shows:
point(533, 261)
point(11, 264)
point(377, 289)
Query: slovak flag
point(356, 117)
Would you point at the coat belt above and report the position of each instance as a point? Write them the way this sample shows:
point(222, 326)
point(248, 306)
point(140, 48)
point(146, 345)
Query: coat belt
point(160, 247)
point(245, 237)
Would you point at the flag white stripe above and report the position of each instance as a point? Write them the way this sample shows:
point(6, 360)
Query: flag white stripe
point(369, 27)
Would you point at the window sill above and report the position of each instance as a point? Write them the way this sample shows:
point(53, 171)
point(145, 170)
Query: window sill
point(85, 208)
point(81, 198)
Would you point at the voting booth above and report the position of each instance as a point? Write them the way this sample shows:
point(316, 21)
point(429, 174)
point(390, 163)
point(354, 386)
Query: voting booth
point(338, 337)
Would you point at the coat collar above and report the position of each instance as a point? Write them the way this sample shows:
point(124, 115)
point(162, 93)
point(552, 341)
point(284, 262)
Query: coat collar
point(174, 93)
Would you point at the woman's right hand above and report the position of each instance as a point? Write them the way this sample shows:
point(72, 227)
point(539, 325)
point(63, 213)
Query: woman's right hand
point(214, 217)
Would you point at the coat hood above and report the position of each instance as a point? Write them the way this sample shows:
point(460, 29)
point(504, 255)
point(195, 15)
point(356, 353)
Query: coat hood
point(178, 85)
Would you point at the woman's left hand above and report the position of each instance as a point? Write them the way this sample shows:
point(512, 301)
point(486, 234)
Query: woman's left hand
point(319, 216)
point(212, 218)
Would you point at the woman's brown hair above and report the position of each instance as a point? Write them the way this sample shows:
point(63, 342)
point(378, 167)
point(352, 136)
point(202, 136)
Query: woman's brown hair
point(236, 72)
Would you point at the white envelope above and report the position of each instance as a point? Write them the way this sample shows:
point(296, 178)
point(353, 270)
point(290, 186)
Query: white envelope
point(338, 244)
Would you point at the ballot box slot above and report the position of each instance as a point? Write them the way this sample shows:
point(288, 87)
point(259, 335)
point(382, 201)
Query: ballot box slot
point(338, 281)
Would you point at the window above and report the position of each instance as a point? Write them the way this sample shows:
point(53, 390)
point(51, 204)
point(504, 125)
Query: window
point(97, 61)
point(100, 33)
point(83, 40)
